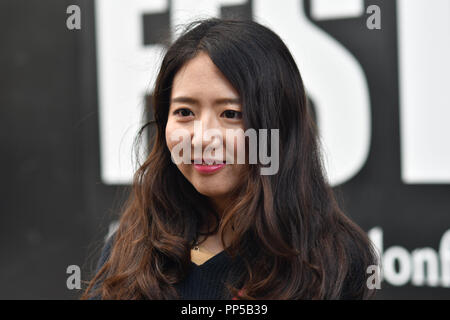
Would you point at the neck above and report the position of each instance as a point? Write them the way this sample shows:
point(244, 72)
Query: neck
point(213, 242)
point(219, 204)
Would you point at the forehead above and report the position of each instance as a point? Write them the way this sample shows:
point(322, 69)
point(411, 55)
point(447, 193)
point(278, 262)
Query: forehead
point(200, 77)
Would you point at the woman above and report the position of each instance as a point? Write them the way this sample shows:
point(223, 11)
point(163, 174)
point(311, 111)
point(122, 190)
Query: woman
point(203, 229)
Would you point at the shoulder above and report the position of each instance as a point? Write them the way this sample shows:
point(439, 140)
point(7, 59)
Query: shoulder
point(360, 256)
point(106, 251)
point(104, 256)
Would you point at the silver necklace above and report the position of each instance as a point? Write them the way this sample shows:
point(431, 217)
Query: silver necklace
point(195, 246)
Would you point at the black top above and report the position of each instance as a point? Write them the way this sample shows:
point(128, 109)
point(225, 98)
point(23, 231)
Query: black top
point(205, 281)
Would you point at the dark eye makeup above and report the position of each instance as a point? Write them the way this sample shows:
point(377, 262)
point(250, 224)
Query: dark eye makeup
point(183, 112)
point(232, 114)
point(229, 114)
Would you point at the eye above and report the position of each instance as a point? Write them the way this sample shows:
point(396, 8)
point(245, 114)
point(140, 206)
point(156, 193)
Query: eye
point(232, 114)
point(183, 112)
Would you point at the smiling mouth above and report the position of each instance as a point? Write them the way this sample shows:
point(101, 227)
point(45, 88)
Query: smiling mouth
point(208, 166)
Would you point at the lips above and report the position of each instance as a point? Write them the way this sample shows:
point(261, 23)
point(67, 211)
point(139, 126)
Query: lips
point(208, 165)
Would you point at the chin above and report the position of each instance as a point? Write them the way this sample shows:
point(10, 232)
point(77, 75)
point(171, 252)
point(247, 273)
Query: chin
point(215, 185)
point(211, 189)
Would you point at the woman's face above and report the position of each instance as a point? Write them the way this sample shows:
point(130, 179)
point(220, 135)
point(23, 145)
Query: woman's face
point(202, 95)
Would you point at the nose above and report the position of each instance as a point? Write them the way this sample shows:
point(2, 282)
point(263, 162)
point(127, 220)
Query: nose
point(207, 131)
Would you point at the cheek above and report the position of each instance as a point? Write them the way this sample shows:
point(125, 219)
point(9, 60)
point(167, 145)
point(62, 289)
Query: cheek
point(168, 132)
point(173, 134)
point(235, 149)
point(179, 137)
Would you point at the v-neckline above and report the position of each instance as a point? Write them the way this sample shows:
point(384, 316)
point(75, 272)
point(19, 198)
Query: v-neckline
point(210, 260)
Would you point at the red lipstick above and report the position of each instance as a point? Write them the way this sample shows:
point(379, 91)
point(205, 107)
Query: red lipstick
point(208, 168)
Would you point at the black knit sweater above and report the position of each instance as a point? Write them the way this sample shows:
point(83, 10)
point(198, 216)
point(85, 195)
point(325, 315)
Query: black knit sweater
point(205, 281)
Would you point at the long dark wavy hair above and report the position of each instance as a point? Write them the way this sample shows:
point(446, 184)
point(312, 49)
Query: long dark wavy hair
point(288, 228)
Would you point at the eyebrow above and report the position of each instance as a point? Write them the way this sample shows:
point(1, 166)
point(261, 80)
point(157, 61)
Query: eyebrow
point(220, 101)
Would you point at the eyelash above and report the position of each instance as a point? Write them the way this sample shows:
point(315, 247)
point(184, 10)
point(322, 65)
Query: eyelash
point(182, 109)
point(178, 111)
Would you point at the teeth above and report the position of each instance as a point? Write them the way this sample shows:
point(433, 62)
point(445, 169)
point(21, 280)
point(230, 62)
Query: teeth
point(205, 163)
